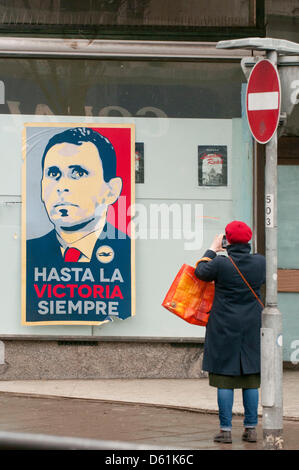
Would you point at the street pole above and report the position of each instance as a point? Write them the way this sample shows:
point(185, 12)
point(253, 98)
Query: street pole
point(271, 332)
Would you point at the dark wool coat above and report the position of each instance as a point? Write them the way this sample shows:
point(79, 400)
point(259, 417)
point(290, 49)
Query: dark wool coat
point(232, 343)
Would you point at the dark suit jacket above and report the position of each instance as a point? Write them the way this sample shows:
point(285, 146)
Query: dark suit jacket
point(43, 254)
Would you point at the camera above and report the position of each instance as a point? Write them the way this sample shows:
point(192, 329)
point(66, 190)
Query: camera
point(224, 242)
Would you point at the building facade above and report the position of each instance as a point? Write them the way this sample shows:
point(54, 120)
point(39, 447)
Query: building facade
point(196, 165)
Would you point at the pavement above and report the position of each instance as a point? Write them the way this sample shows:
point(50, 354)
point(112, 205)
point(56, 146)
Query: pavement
point(187, 406)
point(182, 394)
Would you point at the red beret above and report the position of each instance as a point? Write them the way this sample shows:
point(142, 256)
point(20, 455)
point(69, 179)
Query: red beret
point(238, 232)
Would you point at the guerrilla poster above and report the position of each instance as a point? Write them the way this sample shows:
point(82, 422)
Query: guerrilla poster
point(77, 247)
point(212, 165)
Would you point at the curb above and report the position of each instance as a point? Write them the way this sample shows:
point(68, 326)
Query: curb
point(138, 403)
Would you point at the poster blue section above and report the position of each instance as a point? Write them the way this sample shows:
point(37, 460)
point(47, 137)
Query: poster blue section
point(94, 291)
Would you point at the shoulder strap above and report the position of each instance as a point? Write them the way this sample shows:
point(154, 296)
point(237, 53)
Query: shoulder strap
point(247, 283)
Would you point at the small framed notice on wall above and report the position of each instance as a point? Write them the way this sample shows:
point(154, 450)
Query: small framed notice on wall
point(139, 162)
point(212, 165)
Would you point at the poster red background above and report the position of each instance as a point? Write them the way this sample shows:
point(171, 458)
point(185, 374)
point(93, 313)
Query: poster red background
point(120, 138)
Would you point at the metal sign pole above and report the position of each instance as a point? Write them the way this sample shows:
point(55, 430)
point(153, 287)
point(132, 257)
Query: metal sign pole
point(271, 332)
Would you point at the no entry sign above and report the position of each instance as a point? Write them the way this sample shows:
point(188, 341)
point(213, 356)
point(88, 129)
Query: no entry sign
point(263, 101)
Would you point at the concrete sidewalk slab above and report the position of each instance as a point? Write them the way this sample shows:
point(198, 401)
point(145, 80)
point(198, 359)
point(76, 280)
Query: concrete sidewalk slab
point(188, 394)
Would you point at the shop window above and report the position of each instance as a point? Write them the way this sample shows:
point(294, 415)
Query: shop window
point(157, 89)
point(134, 18)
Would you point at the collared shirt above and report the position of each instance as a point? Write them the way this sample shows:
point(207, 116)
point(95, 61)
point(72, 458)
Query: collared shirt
point(85, 244)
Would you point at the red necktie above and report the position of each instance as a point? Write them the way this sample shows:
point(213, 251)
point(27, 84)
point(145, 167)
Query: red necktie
point(72, 255)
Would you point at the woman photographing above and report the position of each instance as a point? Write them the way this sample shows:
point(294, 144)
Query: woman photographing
point(232, 343)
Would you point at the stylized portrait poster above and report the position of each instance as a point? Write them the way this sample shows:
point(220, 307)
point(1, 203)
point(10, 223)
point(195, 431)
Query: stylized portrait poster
point(212, 165)
point(77, 250)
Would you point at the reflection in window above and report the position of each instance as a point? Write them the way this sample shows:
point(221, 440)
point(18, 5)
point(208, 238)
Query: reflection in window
point(78, 87)
point(215, 13)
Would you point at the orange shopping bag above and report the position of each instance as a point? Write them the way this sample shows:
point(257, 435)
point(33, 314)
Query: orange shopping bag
point(189, 297)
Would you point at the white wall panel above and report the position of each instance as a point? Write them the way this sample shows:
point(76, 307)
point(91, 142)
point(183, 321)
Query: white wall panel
point(171, 177)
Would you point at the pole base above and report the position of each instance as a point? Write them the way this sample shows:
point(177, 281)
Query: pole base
point(272, 439)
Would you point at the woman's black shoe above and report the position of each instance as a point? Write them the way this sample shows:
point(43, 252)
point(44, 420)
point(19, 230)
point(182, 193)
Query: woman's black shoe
point(223, 436)
point(249, 435)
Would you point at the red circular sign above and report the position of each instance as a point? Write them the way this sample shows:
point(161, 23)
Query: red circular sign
point(263, 100)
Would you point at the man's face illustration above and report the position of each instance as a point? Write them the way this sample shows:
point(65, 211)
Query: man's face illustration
point(73, 188)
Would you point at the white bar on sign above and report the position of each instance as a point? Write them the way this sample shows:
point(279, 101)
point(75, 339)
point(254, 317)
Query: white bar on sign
point(260, 101)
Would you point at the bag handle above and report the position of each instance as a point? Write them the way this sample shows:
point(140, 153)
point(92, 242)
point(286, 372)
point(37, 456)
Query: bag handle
point(247, 283)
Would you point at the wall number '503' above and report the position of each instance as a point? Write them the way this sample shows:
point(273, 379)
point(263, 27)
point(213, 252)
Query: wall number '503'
point(269, 219)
